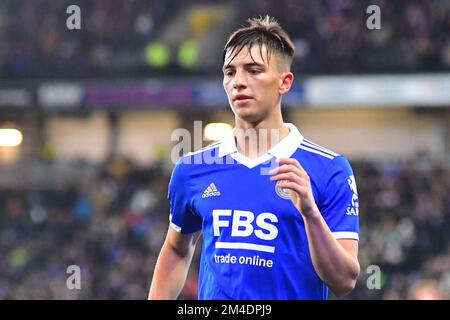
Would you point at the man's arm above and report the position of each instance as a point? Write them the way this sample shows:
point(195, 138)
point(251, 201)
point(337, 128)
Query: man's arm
point(173, 265)
point(335, 261)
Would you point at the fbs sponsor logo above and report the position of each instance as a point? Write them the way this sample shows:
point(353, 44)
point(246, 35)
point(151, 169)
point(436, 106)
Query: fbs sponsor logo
point(240, 225)
point(211, 191)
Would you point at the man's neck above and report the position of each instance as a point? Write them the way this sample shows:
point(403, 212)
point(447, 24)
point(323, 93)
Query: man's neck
point(256, 139)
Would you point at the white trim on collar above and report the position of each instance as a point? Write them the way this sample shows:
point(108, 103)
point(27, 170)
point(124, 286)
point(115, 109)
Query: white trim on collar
point(284, 149)
point(289, 144)
point(227, 144)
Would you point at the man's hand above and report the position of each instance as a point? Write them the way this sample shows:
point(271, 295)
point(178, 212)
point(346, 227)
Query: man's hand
point(297, 181)
point(335, 261)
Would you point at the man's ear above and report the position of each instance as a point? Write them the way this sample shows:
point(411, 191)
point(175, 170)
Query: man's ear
point(287, 78)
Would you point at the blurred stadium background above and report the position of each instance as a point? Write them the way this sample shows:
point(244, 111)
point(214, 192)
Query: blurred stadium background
point(84, 173)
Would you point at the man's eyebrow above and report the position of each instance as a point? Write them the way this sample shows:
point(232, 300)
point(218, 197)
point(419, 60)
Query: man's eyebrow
point(254, 64)
point(246, 65)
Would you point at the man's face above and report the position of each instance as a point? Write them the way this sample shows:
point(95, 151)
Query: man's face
point(252, 85)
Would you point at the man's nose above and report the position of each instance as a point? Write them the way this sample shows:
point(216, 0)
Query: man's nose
point(239, 80)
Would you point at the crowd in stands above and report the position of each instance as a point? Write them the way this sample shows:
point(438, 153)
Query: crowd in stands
point(331, 36)
point(113, 230)
point(405, 218)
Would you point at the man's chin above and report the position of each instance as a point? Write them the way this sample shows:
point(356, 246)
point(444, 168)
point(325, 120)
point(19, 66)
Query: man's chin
point(249, 116)
point(248, 113)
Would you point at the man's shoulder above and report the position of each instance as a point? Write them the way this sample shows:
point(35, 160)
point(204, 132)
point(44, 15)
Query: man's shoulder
point(195, 167)
point(310, 149)
point(200, 156)
point(321, 160)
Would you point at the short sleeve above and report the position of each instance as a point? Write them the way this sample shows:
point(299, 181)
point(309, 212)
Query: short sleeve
point(340, 204)
point(182, 218)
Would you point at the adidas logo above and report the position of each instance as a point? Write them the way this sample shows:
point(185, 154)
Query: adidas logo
point(211, 191)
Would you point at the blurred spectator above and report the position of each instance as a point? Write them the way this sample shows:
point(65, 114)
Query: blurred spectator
point(331, 36)
point(425, 290)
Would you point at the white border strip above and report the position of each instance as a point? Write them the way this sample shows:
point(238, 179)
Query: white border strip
point(316, 151)
point(316, 146)
point(244, 246)
point(173, 225)
point(346, 235)
point(249, 162)
point(211, 146)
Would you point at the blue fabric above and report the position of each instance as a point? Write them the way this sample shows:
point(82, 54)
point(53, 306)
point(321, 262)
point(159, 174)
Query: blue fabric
point(254, 240)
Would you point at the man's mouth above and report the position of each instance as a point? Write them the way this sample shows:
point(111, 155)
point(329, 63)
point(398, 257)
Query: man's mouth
point(242, 99)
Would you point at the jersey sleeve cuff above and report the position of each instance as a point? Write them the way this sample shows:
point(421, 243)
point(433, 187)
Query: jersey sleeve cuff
point(346, 235)
point(173, 225)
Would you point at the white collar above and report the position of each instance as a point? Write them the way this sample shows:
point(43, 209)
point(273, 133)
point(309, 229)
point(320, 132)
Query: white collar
point(283, 149)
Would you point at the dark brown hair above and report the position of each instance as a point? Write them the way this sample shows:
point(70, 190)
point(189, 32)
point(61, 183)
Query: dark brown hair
point(261, 31)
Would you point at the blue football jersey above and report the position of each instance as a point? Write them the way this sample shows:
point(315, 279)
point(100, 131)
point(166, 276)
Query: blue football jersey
point(254, 240)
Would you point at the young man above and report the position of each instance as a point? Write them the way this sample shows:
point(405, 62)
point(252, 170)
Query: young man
point(290, 234)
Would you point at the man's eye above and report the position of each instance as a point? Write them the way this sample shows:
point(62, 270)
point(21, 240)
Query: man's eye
point(254, 71)
point(229, 73)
